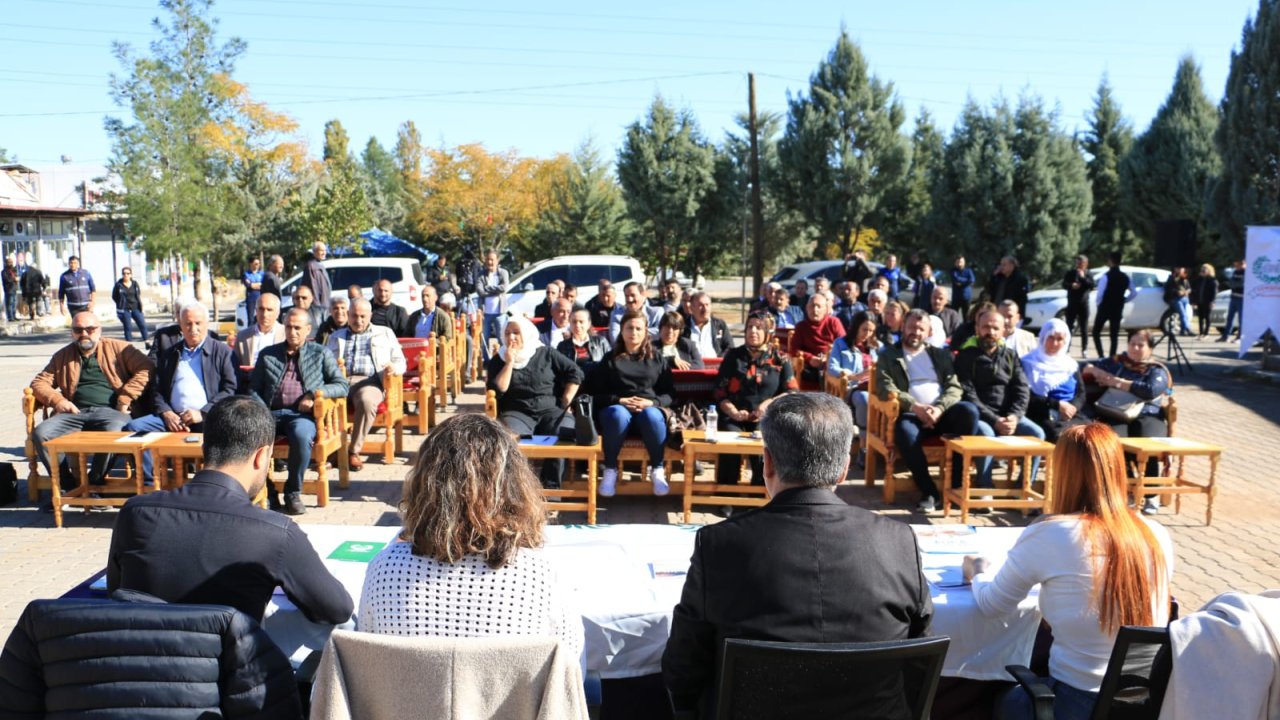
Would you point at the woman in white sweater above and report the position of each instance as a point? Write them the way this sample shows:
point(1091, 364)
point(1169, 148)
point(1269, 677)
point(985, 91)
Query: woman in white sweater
point(1098, 562)
point(467, 563)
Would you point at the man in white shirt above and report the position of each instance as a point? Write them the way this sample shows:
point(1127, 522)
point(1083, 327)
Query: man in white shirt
point(265, 332)
point(710, 334)
point(557, 323)
point(491, 285)
point(369, 352)
point(634, 299)
point(923, 380)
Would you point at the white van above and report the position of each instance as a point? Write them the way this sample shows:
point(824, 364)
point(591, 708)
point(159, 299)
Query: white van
point(528, 287)
point(405, 275)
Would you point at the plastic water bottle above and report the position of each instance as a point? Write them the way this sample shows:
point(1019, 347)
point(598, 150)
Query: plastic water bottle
point(713, 420)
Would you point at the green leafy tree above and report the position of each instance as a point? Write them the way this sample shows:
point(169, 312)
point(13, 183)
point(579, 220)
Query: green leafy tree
point(842, 151)
point(4, 156)
point(383, 186)
point(586, 213)
point(1108, 139)
point(337, 146)
point(175, 198)
point(666, 169)
point(902, 220)
point(1248, 191)
point(339, 212)
point(1168, 173)
point(411, 160)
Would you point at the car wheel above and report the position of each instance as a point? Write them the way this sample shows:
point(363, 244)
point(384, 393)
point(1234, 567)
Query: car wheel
point(1062, 315)
point(1169, 322)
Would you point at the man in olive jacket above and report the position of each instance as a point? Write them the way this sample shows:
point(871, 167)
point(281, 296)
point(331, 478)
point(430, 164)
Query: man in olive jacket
point(924, 382)
point(286, 378)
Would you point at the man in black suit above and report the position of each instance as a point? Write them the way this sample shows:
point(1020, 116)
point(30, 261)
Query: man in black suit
point(709, 333)
point(807, 567)
point(206, 543)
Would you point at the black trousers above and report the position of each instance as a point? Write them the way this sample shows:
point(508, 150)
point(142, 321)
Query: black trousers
point(1078, 323)
point(551, 421)
point(1143, 426)
point(1110, 315)
point(729, 467)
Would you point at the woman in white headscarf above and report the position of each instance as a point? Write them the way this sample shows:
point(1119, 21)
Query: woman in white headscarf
point(534, 385)
point(1057, 388)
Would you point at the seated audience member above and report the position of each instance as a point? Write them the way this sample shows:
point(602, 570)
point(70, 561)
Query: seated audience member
point(709, 333)
point(1099, 565)
point(386, 313)
point(630, 388)
point(524, 375)
point(923, 380)
point(765, 298)
point(676, 349)
point(583, 347)
point(853, 357)
point(339, 316)
point(167, 336)
point(265, 332)
point(90, 384)
point(304, 299)
point(369, 353)
point(800, 294)
point(1134, 371)
point(751, 376)
point(354, 292)
point(1020, 340)
point(430, 319)
point(286, 379)
point(191, 377)
point(968, 329)
point(1055, 382)
point(924, 288)
point(603, 304)
point(542, 311)
point(877, 299)
point(634, 301)
point(812, 340)
point(880, 282)
point(847, 305)
point(940, 309)
point(466, 562)
point(207, 543)
point(671, 297)
point(822, 286)
point(785, 315)
point(890, 328)
point(786, 572)
point(570, 293)
point(991, 379)
point(556, 327)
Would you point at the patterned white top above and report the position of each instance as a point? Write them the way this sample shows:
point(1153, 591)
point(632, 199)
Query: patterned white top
point(405, 594)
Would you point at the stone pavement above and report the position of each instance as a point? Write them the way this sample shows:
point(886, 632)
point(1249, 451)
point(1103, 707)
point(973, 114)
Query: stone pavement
point(1237, 552)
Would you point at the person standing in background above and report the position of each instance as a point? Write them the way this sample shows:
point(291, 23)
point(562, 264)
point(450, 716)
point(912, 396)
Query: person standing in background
point(1078, 283)
point(1008, 283)
point(11, 289)
point(1235, 283)
point(271, 281)
point(1114, 290)
point(127, 296)
point(315, 277)
point(33, 283)
point(76, 288)
point(924, 288)
point(1206, 289)
point(962, 280)
point(252, 280)
point(491, 285)
point(893, 274)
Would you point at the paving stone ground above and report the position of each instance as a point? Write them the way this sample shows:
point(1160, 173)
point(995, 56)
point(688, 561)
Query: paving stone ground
point(1238, 552)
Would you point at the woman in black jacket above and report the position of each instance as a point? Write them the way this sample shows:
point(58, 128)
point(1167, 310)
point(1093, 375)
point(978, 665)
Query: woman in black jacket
point(680, 353)
point(751, 376)
point(1205, 291)
point(583, 346)
point(630, 387)
point(128, 299)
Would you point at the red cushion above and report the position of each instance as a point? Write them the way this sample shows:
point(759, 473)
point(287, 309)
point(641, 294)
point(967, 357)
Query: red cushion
point(382, 407)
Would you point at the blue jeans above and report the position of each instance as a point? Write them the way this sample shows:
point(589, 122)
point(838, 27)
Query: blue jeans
point(959, 419)
point(152, 423)
point(300, 431)
point(11, 306)
point(1184, 314)
point(1234, 309)
point(616, 421)
point(491, 329)
point(1069, 703)
point(136, 315)
point(1026, 428)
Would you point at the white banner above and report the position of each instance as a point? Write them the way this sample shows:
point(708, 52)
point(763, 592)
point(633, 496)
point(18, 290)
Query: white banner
point(1261, 286)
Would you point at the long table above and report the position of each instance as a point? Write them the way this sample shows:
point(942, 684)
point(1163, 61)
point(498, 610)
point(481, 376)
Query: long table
point(627, 579)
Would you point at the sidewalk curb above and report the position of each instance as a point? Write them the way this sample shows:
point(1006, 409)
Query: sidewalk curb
point(1254, 374)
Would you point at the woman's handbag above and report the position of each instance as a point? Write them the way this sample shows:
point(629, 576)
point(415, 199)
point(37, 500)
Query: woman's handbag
point(1119, 405)
point(680, 417)
point(584, 420)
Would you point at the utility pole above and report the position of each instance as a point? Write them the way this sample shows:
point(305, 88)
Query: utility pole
point(757, 208)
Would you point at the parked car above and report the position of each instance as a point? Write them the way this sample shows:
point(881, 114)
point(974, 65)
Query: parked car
point(833, 270)
point(405, 275)
point(528, 287)
point(1144, 311)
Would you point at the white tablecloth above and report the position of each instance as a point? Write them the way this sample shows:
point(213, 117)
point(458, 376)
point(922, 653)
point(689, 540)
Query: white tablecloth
point(626, 580)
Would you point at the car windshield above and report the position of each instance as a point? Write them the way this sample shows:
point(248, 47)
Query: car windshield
point(785, 273)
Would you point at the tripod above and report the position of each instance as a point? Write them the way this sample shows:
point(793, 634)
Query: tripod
point(1174, 354)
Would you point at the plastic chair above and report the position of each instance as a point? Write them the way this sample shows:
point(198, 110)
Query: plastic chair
point(892, 680)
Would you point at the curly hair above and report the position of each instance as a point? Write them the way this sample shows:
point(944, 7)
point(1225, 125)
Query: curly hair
point(470, 490)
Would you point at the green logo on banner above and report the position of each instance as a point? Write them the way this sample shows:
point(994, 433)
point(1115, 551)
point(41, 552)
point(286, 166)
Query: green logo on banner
point(356, 551)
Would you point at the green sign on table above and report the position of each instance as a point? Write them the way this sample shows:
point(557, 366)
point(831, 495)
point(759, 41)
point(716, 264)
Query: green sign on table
point(356, 551)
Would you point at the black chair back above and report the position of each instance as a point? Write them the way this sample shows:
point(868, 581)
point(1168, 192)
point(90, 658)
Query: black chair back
point(894, 680)
point(1137, 675)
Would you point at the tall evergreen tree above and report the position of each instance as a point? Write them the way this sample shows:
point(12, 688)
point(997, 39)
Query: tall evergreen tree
point(337, 146)
point(901, 221)
point(842, 151)
point(1248, 191)
point(969, 210)
point(1167, 174)
point(787, 235)
point(666, 169)
point(1051, 198)
point(1108, 139)
point(586, 213)
point(383, 186)
point(411, 160)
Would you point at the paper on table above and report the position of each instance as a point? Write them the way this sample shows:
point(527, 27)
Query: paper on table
point(141, 438)
point(1014, 440)
point(539, 440)
point(1176, 441)
point(947, 539)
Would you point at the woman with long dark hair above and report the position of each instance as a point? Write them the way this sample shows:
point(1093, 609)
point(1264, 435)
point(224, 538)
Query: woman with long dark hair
point(1099, 565)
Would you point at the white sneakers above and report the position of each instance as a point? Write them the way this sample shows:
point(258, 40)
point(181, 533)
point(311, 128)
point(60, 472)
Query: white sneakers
point(609, 482)
point(658, 477)
point(927, 505)
point(1151, 505)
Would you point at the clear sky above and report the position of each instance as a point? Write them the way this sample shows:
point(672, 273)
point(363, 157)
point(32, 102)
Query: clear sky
point(541, 77)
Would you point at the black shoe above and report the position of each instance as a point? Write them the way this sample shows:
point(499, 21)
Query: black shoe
point(273, 501)
point(293, 504)
point(279, 465)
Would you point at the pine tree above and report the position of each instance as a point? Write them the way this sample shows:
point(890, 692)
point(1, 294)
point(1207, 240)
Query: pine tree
point(336, 143)
point(969, 210)
point(1108, 139)
point(1167, 174)
point(842, 151)
point(586, 213)
point(901, 222)
point(1248, 191)
point(411, 159)
point(1051, 197)
point(383, 186)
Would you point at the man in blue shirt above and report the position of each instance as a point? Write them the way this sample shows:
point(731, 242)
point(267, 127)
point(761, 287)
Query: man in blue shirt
point(962, 280)
point(191, 376)
point(252, 284)
point(893, 274)
point(75, 288)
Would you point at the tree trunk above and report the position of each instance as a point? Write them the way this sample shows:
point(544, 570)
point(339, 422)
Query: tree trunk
point(213, 290)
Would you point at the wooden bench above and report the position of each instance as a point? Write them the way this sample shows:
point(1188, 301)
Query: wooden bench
point(330, 438)
point(389, 416)
point(419, 382)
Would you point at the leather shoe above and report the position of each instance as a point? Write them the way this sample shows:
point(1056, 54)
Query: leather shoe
point(273, 501)
point(293, 504)
point(354, 462)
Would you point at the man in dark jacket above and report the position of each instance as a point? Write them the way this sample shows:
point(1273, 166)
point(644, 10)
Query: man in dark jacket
point(386, 312)
point(962, 280)
point(1008, 283)
point(709, 333)
point(785, 571)
point(991, 378)
point(286, 379)
point(1078, 282)
point(1114, 290)
point(12, 289)
point(271, 280)
point(939, 308)
point(207, 543)
point(315, 277)
point(33, 286)
point(191, 377)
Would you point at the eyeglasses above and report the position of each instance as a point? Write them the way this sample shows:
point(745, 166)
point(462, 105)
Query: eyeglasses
point(84, 330)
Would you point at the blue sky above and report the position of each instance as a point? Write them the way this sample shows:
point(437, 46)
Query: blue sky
point(543, 77)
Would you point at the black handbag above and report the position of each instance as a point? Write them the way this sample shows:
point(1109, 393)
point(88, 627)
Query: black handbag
point(584, 420)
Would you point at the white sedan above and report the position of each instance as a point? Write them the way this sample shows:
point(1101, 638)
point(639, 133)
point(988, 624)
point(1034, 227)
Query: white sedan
point(1143, 311)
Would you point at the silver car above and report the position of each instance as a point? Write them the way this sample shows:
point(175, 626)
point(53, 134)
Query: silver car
point(1143, 311)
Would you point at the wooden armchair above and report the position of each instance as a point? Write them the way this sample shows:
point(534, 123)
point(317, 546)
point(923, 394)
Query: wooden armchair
point(389, 417)
point(32, 414)
point(330, 438)
point(882, 418)
point(420, 381)
point(448, 367)
point(477, 350)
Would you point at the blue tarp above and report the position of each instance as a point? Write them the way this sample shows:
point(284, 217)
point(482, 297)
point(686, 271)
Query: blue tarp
point(380, 243)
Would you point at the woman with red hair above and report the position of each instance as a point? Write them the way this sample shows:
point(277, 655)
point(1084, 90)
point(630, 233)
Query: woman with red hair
point(1099, 563)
